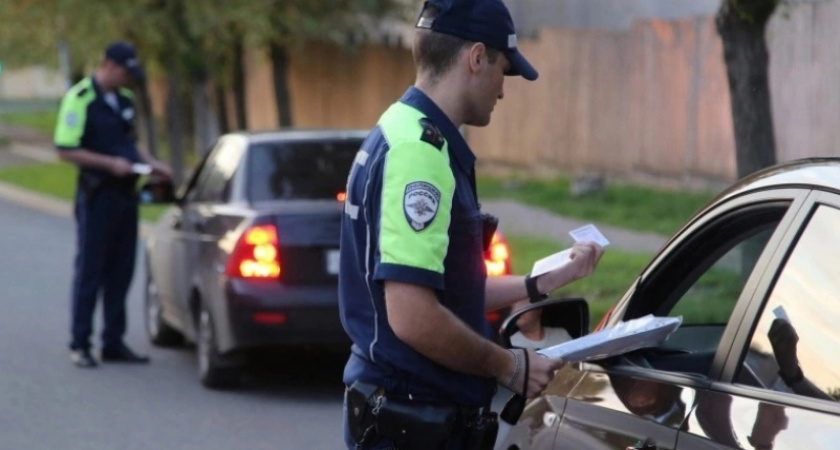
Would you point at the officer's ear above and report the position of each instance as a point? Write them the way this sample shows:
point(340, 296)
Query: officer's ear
point(477, 57)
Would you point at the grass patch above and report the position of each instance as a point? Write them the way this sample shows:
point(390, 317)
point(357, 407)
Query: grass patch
point(602, 289)
point(634, 207)
point(40, 121)
point(58, 180)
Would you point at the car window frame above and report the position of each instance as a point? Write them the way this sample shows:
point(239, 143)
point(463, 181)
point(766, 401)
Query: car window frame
point(753, 310)
point(767, 260)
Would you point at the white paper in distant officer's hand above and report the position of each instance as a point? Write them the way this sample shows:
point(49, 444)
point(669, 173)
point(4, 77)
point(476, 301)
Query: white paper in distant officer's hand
point(589, 233)
point(141, 169)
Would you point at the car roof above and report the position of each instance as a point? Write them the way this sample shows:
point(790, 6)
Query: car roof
point(292, 134)
point(815, 173)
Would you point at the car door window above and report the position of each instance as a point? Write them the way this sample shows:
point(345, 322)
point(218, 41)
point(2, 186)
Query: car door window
point(702, 281)
point(214, 181)
point(807, 293)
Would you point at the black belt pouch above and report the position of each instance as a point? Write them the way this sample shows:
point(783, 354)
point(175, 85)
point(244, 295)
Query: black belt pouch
point(361, 398)
point(415, 426)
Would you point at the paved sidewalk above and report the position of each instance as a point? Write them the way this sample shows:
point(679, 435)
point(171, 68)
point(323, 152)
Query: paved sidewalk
point(514, 218)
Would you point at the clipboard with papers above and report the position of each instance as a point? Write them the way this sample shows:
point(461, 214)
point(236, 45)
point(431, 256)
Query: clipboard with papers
point(646, 331)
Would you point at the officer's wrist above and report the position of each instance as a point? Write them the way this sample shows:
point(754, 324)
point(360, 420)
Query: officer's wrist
point(790, 380)
point(533, 288)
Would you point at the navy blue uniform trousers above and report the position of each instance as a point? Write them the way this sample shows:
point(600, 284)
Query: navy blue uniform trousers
point(107, 225)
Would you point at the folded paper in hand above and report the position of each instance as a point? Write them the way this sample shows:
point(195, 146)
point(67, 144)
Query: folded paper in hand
point(647, 331)
point(141, 169)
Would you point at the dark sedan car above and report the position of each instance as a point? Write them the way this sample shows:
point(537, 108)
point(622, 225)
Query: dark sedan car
point(247, 257)
point(755, 364)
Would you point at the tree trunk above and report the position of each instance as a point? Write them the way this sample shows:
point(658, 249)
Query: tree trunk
point(146, 119)
point(205, 131)
point(747, 67)
point(175, 126)
point(280, 70)
point(239, 85)
point(221, 107)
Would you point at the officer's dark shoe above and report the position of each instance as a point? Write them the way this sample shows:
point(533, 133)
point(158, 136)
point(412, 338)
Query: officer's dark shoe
point(123, 354)
point(82, 358)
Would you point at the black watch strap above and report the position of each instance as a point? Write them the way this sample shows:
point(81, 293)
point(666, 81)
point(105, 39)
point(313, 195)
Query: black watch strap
point(531, 287)
point(794, 379)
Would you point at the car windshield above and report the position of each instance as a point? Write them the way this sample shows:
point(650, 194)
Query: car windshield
point(300, 170)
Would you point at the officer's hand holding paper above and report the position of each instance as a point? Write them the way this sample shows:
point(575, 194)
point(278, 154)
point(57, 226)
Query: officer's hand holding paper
point(588, 233)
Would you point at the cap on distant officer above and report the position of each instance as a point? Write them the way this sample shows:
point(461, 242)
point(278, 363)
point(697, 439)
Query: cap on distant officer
point(125, 55)
point(485, 21)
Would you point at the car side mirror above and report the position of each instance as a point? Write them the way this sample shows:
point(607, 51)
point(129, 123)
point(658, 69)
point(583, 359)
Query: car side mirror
point(157, 192)
point(569, 313)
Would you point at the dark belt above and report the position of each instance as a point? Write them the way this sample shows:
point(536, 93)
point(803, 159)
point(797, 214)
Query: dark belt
point(373, 414)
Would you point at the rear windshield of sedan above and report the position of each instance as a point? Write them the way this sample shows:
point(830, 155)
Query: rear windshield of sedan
point(300, 170)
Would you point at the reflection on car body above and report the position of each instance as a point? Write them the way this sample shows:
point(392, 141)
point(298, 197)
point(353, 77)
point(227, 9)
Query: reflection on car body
point(770, 240)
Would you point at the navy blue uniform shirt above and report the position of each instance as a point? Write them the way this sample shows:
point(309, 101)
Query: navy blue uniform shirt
point(411, 216)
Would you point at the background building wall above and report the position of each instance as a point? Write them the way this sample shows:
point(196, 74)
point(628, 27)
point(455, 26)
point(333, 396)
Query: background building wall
point(638, 92)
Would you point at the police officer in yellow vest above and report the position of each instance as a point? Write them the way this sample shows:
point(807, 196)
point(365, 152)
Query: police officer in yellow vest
point(95, 131)
point(413, 288)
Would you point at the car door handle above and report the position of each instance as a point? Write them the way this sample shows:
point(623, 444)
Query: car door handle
point(647, 444)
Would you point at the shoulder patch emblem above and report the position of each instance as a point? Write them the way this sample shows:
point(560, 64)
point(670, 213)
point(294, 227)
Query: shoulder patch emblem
point(128, 114)
point(431, 134)
point(71, 119)
point(420, 204)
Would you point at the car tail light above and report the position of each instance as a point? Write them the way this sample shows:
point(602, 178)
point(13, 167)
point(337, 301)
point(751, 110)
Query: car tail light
point(267, 318)
point(341, 196)
point(256, 255)
point(497, 257)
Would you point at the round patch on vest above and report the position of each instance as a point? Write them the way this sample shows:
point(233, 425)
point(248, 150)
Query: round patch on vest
point(71, 119)
point(420, 203)
point(128, 114)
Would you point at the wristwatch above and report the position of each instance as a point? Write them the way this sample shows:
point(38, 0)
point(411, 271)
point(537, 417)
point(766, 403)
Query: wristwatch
point(531, 287)
point(790, 381)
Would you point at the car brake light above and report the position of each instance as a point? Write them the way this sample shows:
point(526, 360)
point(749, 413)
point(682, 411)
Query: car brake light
point(256, 255)
point(267, 318)
point(497, 257)
point(341, 196)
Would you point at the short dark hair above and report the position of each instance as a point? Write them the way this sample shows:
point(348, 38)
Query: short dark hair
point(436, 52)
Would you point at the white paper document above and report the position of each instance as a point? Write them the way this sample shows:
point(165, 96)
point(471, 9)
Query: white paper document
point(141, 169)
point(559, 259)
point(551, 262)
point(589, 233)
point(647, 331)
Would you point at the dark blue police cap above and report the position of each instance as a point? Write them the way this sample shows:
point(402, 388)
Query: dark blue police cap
point(485, 21)
point(125, 55)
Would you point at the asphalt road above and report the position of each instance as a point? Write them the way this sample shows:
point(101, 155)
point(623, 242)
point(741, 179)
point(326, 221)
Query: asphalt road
point(290, 401)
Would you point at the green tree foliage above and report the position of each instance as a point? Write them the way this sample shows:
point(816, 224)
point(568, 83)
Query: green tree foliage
point(190, 44)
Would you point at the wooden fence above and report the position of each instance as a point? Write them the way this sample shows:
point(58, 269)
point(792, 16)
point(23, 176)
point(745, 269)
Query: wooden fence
point(647, 104)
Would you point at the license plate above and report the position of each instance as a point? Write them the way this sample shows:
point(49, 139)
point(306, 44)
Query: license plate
point(332, 262)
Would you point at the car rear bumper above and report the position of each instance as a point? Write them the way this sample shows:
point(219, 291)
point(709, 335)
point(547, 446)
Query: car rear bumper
point(268, 314)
